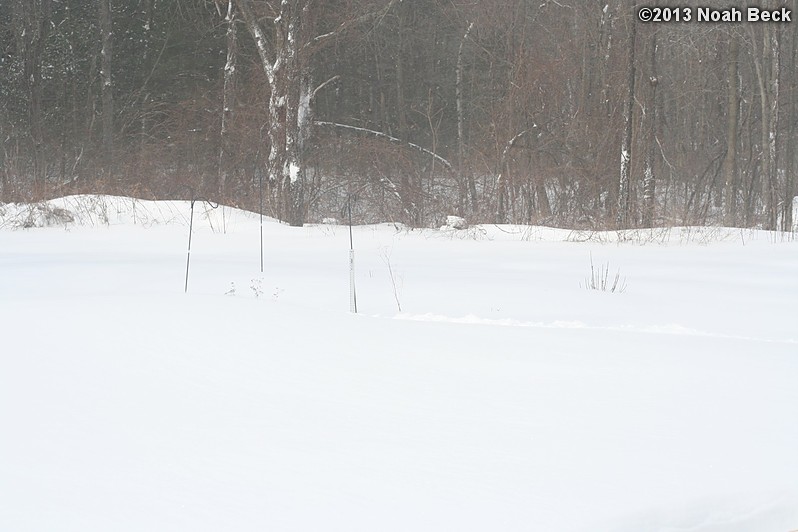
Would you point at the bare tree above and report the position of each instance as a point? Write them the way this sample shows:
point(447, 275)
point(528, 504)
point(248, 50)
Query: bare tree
point(284, 46)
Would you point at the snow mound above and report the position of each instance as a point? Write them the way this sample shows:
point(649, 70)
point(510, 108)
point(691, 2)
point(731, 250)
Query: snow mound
point(102, 210)
point(455, 222)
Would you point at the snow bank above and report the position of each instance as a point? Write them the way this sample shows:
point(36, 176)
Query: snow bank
point(99, 210)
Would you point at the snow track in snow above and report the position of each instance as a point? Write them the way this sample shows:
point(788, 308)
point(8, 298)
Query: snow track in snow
point(669, 329)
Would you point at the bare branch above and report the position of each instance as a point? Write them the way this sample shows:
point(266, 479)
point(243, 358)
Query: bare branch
point(347, 25)
point(511, 144)
point(260, 38)
point(382, 135)
point(505, 152)
point(320, 87)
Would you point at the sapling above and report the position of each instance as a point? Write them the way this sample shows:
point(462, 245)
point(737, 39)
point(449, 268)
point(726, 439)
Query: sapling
point(386, 257)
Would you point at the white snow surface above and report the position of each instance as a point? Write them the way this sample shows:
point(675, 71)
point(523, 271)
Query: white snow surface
point(503, 397)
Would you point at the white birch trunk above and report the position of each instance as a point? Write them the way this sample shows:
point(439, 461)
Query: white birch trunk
point(228, 97)
point(288, 127)
point(284, 53)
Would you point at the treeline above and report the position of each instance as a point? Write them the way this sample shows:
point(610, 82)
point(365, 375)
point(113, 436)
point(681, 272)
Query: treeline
point(547, 112)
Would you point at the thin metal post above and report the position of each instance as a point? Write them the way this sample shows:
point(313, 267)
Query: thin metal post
point(190, 229)
point(260, 194)
point(349, 206)
point(352, 293)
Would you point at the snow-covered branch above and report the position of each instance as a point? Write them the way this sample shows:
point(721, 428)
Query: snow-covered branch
point(385, 136)
point(320, 87)
point(511, 144)
point(261, 42)
point(505, 153)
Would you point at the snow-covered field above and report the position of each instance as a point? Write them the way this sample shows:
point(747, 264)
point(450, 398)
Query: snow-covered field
point(504, 396)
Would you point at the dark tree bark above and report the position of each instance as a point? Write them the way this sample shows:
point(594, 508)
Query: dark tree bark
point(649, 172)
point(33, 28)
point(470, 188)
point(228, 99)
point(107, 88)
point(767, 70)
point(792, 134)
point(624, 183)
point(732, 112)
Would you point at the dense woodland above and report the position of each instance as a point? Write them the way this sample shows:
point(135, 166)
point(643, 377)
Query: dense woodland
point(568, 113)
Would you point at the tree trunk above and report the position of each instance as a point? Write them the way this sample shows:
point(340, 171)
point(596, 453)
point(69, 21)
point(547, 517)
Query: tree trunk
point(289, 103)
point(34, 78)
point(732, 112)
point(469, 177)
point(228, 99)
point(106, 91)
point(791, 163)
point(607, 27)
point(624, 183)
point(772, 205)
point(767, 71)
point(649, 172)
point(284, 56)
point(33, 21)
point(401, 106)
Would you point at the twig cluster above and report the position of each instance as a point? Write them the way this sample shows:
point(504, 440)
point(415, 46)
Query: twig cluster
point(600, 279)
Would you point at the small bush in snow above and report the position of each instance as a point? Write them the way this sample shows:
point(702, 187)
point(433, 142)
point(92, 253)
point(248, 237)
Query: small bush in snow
point(257, 287)
point(600, 279)
point(45, 215)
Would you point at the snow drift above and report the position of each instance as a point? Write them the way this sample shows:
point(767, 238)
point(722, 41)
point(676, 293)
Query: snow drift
point(507, 397)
